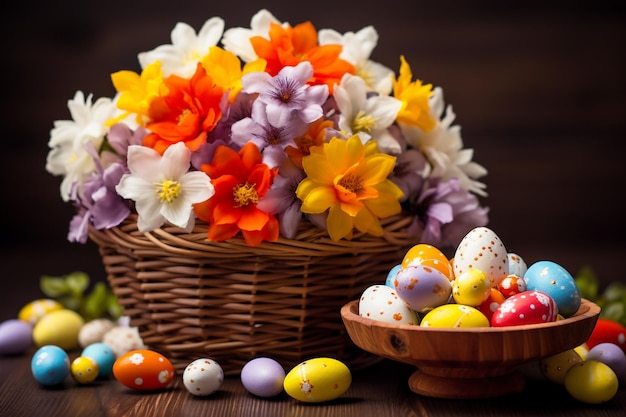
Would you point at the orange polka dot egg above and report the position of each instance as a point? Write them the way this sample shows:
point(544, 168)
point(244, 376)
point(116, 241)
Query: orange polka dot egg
point(143, 370)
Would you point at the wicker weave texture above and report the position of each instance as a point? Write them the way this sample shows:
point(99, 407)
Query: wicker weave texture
point(191, 298)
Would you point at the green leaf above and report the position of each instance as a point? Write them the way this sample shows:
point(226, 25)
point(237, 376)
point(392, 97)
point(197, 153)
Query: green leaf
point(614, 291)
point(77, 282)
point(114, 308)
point(54, 287)
point(95, 304)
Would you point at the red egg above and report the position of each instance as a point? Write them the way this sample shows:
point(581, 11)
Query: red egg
point(512, 284)
point(489, 306)
point(144, 370)
point(528, 307)
point(608, 331)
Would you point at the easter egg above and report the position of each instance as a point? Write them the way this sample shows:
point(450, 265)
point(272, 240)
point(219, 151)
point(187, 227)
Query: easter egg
point(482, 249)
point(454, 316)
point(50, 365)
point(263, 377)
point(422, 287)
point(36, 309)
point(591, 382)
point(59, 327)
point(104, 357)
point(471, 288)
point(517, 266)
point(382, 303)
point(318, 380)
point(16, 336)
point(143, 370)
point(512, 284)
point(491, 304)
point(528, 307)
point(554, 280)
point(203, 377)
point(84, 369)
point(555, 367)
point(93, 331)
point(123, 339)
point(609, 331)
point(611, 355)
point(428, 255)
point(391, 276)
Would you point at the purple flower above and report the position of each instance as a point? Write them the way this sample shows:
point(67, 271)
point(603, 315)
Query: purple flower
point(119, 138)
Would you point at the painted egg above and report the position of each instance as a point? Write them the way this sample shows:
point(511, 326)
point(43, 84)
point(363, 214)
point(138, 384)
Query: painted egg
point(611, 355)
point(422, 287)
point(123, 339)
point(428, 255)
point(318, 380)
point(591, 382)
point(528, 307)
point(84, 369)
point(517, 266)
point(608, 331)
point(16, 336)
point(555, 367)
point(104, 357)
point(93, 331)
point(59, 327)
point(36, 309)
point(263, 377)
point(454, 316)
point(554, 280)
point(482, 249)
point(143, 370)
point(382, 303)
point(203, 377)
point(50, 365)
point(582, 350)
point(512, 284)
point(391, 276)
point(471, 288)
point(491, 304)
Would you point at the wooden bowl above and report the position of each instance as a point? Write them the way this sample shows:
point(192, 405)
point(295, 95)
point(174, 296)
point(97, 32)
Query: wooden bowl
point(470, 362)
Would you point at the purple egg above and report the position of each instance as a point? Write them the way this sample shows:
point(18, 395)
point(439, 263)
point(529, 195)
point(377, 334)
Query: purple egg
point(16, 336)
point(611, 355)
point(422, 287)
point(263, 377)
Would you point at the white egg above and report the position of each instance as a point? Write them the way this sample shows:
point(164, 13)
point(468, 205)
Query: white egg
point(482, 249)
point(517, 266)
point(203, 377)
point(382, 303)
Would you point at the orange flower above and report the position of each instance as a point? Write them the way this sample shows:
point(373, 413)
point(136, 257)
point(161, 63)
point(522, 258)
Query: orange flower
point(313, 137)
point(240, 180)
point(288, 46)
point(187, 113)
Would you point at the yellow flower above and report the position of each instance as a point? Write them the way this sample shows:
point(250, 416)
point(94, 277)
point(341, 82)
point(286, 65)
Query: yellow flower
point(415, 110)
point(137, 91)
point(349, 180)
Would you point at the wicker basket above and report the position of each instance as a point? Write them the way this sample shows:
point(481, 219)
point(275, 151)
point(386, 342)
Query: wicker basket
point(192, 298)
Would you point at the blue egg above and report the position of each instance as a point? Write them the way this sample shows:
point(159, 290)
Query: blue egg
point(392, 275)
point(50, 365)
point(104, 357)
point(554, 280)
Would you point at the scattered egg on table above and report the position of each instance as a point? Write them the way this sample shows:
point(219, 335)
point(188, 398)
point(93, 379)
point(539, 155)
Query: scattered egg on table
point(123, 339)
point(59, 327)
point(609, 331)
point(482, 249)
point(382, 303)
point(317, 380)
point(263, 377)
point(104, 357)
point(84, 369)
point(591, 382)
point(422, 287)
point(471, 288)
point(528, 307)
point(36, 309)
point(50, 365)
point(454, 316)
point(428, 255)
point(16, 336)
point(144, 370)
point(203, 377)
point(555, 367)
point(611, 355)
point(554, 280)
point(93, 331)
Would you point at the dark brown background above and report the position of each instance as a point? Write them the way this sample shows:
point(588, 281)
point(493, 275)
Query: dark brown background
point(538, 88)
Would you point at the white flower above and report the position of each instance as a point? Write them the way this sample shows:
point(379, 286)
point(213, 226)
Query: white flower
point(68, 156)
point(366, 116)
point(181, 57)
point(237, 40)
point(357, 48)
point(162, 187)
point(443, 147)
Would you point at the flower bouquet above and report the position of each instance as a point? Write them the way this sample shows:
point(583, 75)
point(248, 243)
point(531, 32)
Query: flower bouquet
point(248, 182)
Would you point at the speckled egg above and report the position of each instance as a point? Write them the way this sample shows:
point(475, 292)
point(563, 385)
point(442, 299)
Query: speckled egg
point(263, 377)
point(454, 316)
point(203, 377)
point(382, 303)
point(422, 287)
point(517, 265)
point(50, 365)
point(428, 255)
point(318, 380)
point(123, 339)
point(512, 284)
point(36, 309)
point(482, 249)
point(555, 367)
point(104, 357)
point(59, 327)
point(84, 369)
point(16, 336)
point(93, 331)
point(554, 280)
point(143, 370)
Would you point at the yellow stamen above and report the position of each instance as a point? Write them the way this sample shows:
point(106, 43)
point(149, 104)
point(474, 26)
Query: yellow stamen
point(168, 190)
point(363, 122)
point(245, 194)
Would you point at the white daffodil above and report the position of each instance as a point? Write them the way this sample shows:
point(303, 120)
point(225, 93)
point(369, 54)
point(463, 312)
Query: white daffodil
point(365, 115)
point(237, 40)
point(357, 49)
point(162, 187)
point(181, 57)
point(443, 147)
point(68, 156)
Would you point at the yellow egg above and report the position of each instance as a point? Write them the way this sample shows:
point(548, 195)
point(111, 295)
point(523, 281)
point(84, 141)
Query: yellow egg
point(36, 309)
point(60, 328)
point(591, 382)
point(555, 367)
point(317, 380)
point(454, 315)
point(582, 350)
point(471, 288)
point(84, 369)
